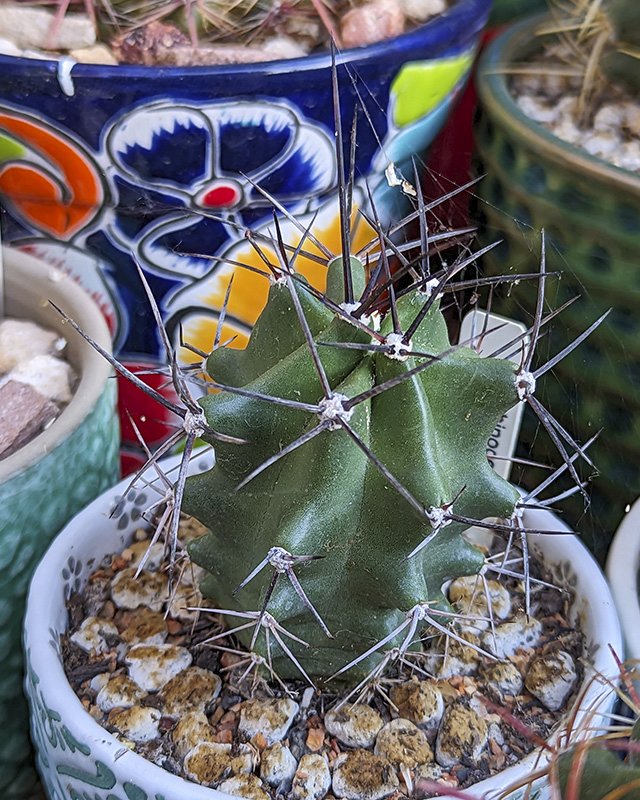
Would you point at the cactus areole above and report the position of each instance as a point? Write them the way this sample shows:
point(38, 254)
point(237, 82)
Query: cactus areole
point(339, 519)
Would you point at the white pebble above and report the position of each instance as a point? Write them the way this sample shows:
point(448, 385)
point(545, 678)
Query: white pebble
point(422, 10)
point(536, 110)
point(421, 702)
point(247, 786)
point(568, 131)
point(209, 762)
point(632, 119)
point(138, 723)
point(90, 636)
point(469, 597)
point(361, 775)
point(148, 589)
point(284, 47)
point(610, 117)
point(50, 376)
point(184, 598)
point(401, 742)
point(271, 718)
point(628, 156)
point(96, 54)
point(21, 340)
point(193, 728)
point(27, 26)
point(193, 689)
point(153, 666)
point(354, 725)
point(551, 679)
point(601, 145)
point(119, 692)
point(521, 632)
point(372, 22)
point(8, 48)
point(277, 765)
point(151, 554)
point(463, 736)
point(312, 779)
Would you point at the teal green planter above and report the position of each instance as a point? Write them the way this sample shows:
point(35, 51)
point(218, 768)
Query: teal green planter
point(590, 211)
point(45, 483)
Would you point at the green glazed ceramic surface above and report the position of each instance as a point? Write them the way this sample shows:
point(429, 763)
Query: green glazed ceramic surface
point(590, 211)
point(41, 487)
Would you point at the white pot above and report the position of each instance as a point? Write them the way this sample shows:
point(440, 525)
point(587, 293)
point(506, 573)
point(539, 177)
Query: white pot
point(77, 757)
point(623, 563)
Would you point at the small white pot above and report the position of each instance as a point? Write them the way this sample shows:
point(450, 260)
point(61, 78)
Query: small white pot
point(78, 758)
point(623, 563)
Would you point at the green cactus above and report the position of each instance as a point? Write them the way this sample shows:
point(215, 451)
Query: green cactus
point(590, 773)
point(328, 498)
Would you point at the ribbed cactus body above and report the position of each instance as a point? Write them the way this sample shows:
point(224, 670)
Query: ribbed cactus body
point(327, 498)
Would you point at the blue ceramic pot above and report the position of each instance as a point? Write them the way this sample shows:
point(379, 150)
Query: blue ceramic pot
point(157, 165)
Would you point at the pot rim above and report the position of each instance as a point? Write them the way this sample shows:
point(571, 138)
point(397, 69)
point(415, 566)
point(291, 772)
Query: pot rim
point(27, 275)
point(498, 101)
point(445, 24)
point(622, 567)
point(40, 610)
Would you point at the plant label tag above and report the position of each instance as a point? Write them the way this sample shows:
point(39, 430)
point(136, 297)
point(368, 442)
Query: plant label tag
point(492, 332)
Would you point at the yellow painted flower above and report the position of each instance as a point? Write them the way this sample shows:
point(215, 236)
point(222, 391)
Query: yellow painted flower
point(197, 308)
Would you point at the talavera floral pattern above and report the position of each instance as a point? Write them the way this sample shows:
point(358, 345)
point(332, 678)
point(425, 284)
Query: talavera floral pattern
point(232, 155)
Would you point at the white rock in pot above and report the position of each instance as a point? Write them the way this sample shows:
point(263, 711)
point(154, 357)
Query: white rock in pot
point(361, 775)
point(312, 778)
point(401, 742)
point(422, 10)
point(119, 692)
point(247, 786)
point(192, 729)
point(463, 735)
point(90, 636)
point(27, 26)
point(50, 376)
point(371, 23)
point(271, 718)
point(153, 666)
point(138, 723)
point(551, 679)
point(209, 762)
point(193, 689)
point(21, 340)
point(277, 765)
point(355, 725)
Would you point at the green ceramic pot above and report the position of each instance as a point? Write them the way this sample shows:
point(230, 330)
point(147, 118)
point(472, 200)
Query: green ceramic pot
point(590, 211)
point(503, 11)
point(46, 482)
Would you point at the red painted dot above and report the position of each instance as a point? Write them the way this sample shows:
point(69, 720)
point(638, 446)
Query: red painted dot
point(221, 196)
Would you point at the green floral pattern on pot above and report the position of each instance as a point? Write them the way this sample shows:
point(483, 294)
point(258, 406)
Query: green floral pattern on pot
point(34, 505)
point(91, 777)
point(590, 211)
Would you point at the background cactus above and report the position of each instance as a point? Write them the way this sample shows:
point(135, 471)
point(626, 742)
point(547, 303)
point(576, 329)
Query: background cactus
point(603, 44)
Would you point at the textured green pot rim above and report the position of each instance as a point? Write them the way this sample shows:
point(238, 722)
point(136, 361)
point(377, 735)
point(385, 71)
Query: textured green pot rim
point(511, 45)
point(29, 285)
